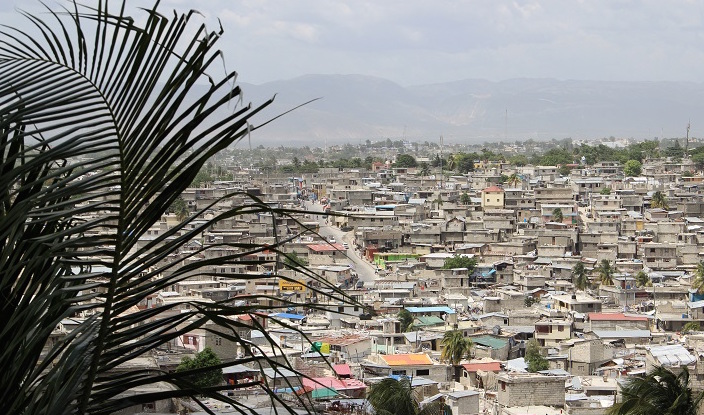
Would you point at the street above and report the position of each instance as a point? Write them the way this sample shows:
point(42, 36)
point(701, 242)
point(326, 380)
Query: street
point(365, 271)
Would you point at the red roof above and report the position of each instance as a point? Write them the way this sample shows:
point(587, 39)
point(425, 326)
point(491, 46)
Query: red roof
point(342, 369)
point(615, 317)
point(326, 247)
point(485, 366)
point(493, 189)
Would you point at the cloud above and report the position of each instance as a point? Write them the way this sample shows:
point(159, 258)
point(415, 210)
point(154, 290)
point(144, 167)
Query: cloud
point(414, 41)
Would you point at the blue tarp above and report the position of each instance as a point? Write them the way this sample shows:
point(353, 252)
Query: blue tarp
point(288, 316)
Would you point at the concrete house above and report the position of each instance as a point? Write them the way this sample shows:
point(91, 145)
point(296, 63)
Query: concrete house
point(531, 390)
point(493, 198)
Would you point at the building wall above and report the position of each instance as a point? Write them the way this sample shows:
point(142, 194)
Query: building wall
point(531, 390)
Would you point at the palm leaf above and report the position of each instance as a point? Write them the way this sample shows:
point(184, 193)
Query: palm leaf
point(100, 131)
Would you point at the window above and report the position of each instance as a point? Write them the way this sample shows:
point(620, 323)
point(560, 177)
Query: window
point(218, 340)
point(423, 372)
point(503, 386)
point(398, 372)
point(340, 309)
point(560, 328)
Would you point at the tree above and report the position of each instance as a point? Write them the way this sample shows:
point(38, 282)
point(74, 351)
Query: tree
point(455, 347)
point(180, 208)
point(698, 281)
point(605, 191)
point(405, 160)
point(397, 397)
point(424, 169)
point(659, 201)
point(106, 119)
point(535, 361)
point(579, 276)
point(465, 199)
point(202, 360)
point(406, 320)
point(606, 272)
point(690, 327)
point(460, 261)
point(642, 279)
point(632, 168)
point(557, 215)
point(659, 392)
point(513, 180)
point(293, 261)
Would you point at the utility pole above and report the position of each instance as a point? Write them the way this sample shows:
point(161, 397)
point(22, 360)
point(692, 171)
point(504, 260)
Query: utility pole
point(442, 175)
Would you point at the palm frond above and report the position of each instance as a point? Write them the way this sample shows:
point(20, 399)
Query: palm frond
point(101, 129)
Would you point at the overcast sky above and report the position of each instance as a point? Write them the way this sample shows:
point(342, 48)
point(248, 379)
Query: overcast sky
point(419, 41)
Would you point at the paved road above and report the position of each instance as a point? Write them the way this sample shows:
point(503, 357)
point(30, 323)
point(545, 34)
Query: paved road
point(365, 270)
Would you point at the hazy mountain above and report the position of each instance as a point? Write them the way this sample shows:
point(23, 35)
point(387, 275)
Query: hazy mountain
point(355, 107)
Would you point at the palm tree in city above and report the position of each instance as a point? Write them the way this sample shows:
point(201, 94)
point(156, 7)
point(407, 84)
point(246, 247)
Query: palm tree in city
point(397, 397)
point(661, 391)
point(698, 281)
point(513, 180)
point(642, 279)
point(557, 215)
point(659, 201)
point(455, 347)
point(103, 128)
point(579, 276)
point(606, 272)
point(424, 169)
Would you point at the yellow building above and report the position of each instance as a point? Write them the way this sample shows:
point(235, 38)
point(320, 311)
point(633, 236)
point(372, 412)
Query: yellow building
point(493, 198)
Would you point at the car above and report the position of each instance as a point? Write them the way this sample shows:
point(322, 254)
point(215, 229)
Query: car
point(346, 245)
point(331, 240)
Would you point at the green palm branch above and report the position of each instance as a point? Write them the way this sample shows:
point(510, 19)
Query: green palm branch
point(102, 128)
point(397, 397)
point(659, 392)
point(606, 272)
point(698, 282)
point(579, 276)
point(455, 347)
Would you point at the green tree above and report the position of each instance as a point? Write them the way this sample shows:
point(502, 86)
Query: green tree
point(690, 327)
point(203, 378)
point(179, 207)
point(530, 300)
point(106, 119)
point(513, 180)
point(535, 361)
point(659, 201)
point(579, 276)
point(405, 320)
point(405, 160)
point(642, 279)
point(698, 281)
point(632, 168)
point(659, 392)
point(606, 272)
point(460, 261)
point(293, 261)
point(605, 191)
point(464, 198)
point(424, 169)
point(397, 397)
point(557, 215)
point(203, 177)
point(455, 347)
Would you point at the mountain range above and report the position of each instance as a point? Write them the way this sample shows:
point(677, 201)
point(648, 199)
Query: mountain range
point(354, 108)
